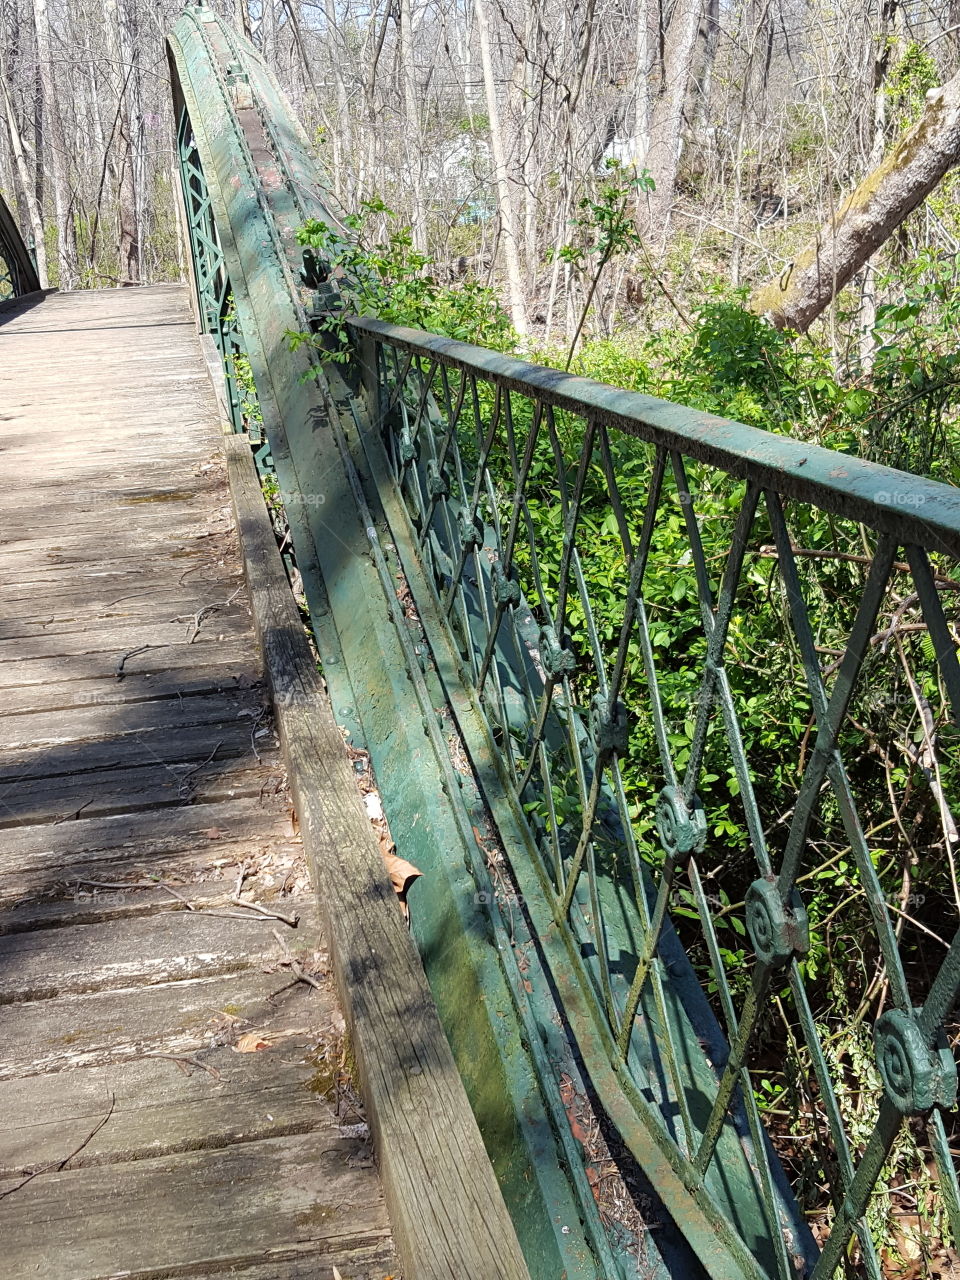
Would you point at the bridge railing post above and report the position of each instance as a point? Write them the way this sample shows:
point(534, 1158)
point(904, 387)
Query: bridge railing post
point(368, 358)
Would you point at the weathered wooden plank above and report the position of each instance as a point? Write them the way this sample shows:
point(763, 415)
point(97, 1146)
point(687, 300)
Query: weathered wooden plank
point(158, 514)
point(164, 746)
point(140, 838)
point(107, 587)
point(126, 790)
point(430, 1149)
point(75, 548)
point(175, 1017)
point(159, 1110)
point(113, 716)
point(93, 895)
point(121, 637)
point(235, 653)
point(169, 946)
point(205, 1207)
point(50, 613)
point(59, 695)
point(360, 1262)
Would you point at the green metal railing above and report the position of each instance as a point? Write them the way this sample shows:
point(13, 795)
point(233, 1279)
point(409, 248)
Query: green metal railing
point(18, 273)
point(210, 277)
point(547, 609)
point(591, 559)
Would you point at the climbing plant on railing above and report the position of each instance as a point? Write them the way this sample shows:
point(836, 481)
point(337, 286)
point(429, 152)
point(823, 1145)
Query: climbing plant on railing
point(390, 279)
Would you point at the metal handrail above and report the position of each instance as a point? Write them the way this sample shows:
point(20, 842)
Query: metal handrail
point(494, 474)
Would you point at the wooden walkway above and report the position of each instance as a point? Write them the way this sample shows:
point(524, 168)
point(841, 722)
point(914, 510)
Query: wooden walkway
point(173, 1100)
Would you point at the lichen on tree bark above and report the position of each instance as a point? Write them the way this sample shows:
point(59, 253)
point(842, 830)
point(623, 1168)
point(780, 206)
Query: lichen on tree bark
point(868, 216)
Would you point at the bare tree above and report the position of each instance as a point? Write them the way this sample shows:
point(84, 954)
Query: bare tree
point(506, 210)
point(58, 153)
point(868, 216)
point(666, 123)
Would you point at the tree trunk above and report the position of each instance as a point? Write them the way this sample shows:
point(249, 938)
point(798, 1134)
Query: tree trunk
point(411, 126)
point(640, 138)
point(241, 17)
point(868, 216)
point(121, 45)
point(666, 124)
point(709, 40)
point(57, 151)
point(18, 147)
point(508, 221)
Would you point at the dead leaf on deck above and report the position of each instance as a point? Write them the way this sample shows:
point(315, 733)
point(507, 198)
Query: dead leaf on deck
point(402, 873)
point(254, 1041)
point(213, 833)
point(251, 1043)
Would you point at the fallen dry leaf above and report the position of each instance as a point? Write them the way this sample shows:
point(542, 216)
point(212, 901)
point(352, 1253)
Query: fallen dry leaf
point(402, 874)
point(251, 1043)
point(213, 833)
point(254, 1041)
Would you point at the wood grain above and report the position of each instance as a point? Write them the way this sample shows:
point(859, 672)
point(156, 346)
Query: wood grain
point(118, 1004)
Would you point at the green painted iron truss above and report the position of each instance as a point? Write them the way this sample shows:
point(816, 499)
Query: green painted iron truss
point(18, 272)
point(445, 503)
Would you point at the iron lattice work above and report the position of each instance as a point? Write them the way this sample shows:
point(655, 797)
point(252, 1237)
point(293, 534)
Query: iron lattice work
point(211, 280)
point(18, 274)
point(597, 712)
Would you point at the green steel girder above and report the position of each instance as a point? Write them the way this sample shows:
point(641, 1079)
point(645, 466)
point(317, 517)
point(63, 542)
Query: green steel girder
point(18, 272)
point(376, 488)
point(260, 184)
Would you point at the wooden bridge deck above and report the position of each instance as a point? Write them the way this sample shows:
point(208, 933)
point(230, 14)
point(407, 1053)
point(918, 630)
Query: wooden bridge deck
point(171, 1096)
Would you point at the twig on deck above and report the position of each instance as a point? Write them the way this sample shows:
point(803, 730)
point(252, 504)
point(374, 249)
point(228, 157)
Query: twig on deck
point(132, 653)
point(135, 884)
point(292, 921)
point(296, 968)
point(181, 1058)
point(67, 817)
point(206, 611)
point(195, 769)
point(56, 1166)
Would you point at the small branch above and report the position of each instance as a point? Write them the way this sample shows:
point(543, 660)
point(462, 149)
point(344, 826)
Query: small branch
point(189, 1058)
point(206, 611)
point(69, 817)
point(291, 961)
point(771, 553)
point(197, 767)
point(292, 921)
point(198, 618)
point(62, 1164)
point(132, 653)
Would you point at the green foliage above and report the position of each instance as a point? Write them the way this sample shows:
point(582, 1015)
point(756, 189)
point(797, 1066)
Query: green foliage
point(388, 278)
point(604, 228)
point(914, 74)
point(605, 224)
point(912, 423)
point(733, 363)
